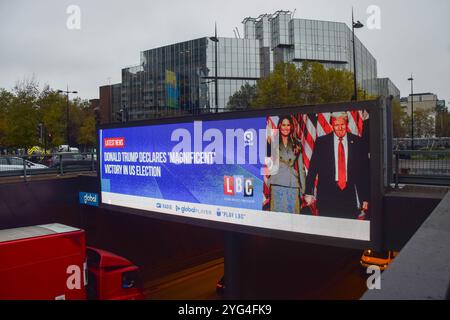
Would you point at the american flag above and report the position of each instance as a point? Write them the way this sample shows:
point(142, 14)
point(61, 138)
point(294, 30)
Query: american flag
point(307, 128)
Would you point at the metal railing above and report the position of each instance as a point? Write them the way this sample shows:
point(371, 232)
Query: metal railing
point(418, 167)
point(57, 163)
point(421, 143)
point(422, 167)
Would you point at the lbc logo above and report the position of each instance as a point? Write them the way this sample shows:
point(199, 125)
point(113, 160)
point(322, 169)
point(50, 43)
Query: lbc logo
point(237, 185)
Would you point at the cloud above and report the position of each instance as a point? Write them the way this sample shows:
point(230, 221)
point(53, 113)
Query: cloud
point(35, 38)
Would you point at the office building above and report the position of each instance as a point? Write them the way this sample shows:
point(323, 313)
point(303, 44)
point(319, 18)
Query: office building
point(180, 79)
point(421, 101)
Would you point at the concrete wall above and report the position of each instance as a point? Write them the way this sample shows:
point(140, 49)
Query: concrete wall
point(422, 270)
point(39, 202)
point(404, 212)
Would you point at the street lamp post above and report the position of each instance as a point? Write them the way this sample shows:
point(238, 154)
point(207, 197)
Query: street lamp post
point(215, 40)
point(412, 111)
point(355, 25)
point(124, 113)
point(67, 114)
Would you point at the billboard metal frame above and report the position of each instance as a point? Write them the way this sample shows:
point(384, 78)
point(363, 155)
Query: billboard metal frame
point(378, 139)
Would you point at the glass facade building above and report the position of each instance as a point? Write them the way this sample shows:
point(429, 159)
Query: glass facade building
point(298, 40)
point(382, 86)
point(181, 78)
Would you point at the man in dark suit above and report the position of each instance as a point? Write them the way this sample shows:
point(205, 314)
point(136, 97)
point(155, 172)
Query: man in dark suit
point(338, 179)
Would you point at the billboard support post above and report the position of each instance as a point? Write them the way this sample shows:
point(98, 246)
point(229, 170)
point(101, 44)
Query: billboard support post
point(232, 258)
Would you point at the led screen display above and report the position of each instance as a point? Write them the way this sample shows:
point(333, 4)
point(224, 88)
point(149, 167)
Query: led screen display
point(301, 173)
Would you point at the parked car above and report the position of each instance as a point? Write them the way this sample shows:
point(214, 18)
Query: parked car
point(70, 159)
point(46, 160)
point(8, 163)
point(381, 259)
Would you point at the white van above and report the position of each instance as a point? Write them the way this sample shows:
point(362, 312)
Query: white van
point(65, 148)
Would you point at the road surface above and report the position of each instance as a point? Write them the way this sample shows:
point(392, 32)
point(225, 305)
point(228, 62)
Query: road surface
point(336, 274)
point(197, 283)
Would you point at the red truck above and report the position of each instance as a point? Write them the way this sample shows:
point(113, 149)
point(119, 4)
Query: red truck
point(52, 261)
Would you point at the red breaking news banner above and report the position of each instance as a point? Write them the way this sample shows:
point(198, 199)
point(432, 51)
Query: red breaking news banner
point(114, 142)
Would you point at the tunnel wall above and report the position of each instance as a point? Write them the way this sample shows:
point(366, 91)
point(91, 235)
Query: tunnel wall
point(422, 270)
point(404, 212)
point(158, 247)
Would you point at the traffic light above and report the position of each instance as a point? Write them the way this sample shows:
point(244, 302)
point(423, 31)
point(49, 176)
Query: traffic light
point(40, 132)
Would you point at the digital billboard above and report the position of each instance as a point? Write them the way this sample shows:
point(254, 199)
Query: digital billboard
point(304, 173)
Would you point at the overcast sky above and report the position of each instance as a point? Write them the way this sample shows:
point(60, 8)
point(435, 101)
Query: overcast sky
point(414, 36)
